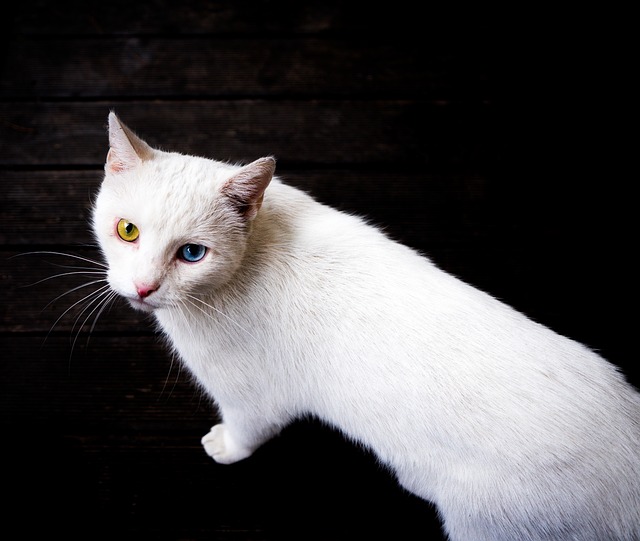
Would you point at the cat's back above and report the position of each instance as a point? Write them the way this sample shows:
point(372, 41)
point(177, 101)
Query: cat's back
point(387, 306)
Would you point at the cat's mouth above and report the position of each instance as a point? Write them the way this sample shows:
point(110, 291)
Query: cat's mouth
point(144, 305)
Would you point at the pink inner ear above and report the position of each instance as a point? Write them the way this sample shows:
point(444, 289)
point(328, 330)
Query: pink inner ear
point(115, 165)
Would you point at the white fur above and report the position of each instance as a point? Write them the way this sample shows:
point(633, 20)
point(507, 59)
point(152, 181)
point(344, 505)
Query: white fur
point(514, 432)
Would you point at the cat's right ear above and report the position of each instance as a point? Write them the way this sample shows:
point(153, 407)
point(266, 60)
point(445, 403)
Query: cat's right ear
point(126, 149)
point(245, 189)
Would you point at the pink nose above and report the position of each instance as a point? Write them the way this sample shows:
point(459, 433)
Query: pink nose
point(145, 290)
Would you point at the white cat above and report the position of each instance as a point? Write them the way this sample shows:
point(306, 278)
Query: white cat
point(283, 307)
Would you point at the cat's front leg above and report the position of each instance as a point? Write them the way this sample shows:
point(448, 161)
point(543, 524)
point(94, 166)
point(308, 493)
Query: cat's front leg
point(237, 438)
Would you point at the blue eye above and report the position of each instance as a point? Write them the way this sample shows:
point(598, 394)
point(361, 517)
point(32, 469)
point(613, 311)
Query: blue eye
point(191, 253)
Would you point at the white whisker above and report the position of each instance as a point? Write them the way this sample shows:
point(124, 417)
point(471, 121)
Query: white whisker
point(63, 254)
point(191, 298)
point(184, 309)
point(77, 267)
point(166, 380)
point(81, 273)
point(96, 298)
point(90, 305)
point(99, 299)
point(112, 295)
point(181, 307)
point(84, 299)
point(81, 286)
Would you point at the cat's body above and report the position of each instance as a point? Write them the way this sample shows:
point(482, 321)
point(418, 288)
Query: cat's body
point(514, 432)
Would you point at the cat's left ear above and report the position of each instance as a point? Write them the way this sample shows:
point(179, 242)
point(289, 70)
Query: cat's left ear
point(245, 189)
point(126, 149)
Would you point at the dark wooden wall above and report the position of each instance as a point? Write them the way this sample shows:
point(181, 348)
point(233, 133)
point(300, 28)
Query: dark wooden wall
point(489, 141)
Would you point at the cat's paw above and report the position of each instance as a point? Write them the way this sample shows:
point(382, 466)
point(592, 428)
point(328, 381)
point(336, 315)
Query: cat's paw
point(221, 446)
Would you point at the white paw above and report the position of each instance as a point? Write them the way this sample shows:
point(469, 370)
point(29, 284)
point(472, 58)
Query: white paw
point(220, 446)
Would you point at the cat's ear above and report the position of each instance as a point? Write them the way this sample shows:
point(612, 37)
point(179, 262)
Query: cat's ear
point(126, 149)
point(245, 189)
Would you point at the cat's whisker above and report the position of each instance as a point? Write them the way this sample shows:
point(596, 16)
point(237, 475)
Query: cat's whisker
point(191, 298)
point(100, 300)
point(76, 267)
point(94, 302)
point(112, 296)
point(73, 289)
point(96, 298)
point(63, 254)
point(182, 308)
point(166, 379)
point(98, 268)
point(84, 299)
point(85, 273)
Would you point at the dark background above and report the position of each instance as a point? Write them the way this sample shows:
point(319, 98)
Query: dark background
point(497, 143)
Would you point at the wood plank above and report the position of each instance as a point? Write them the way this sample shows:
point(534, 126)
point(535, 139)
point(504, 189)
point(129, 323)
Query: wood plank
point(47, 207)
point(125, 481)
point(277, 67)
point(323, 132)
point(110, 427)
point(221, 17)
point(115, 383)
point(120, 423)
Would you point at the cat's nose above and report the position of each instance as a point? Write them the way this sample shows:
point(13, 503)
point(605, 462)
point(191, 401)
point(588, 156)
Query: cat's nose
point(144, 290)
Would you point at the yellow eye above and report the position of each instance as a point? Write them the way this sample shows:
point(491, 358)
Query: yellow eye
point(127, 231)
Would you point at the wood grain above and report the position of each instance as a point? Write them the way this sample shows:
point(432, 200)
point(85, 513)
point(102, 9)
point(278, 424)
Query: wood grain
point(319, 132)
point(209, 67)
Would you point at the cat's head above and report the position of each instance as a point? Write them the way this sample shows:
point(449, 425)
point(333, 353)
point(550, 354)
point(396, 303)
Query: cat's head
point(170, 225)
